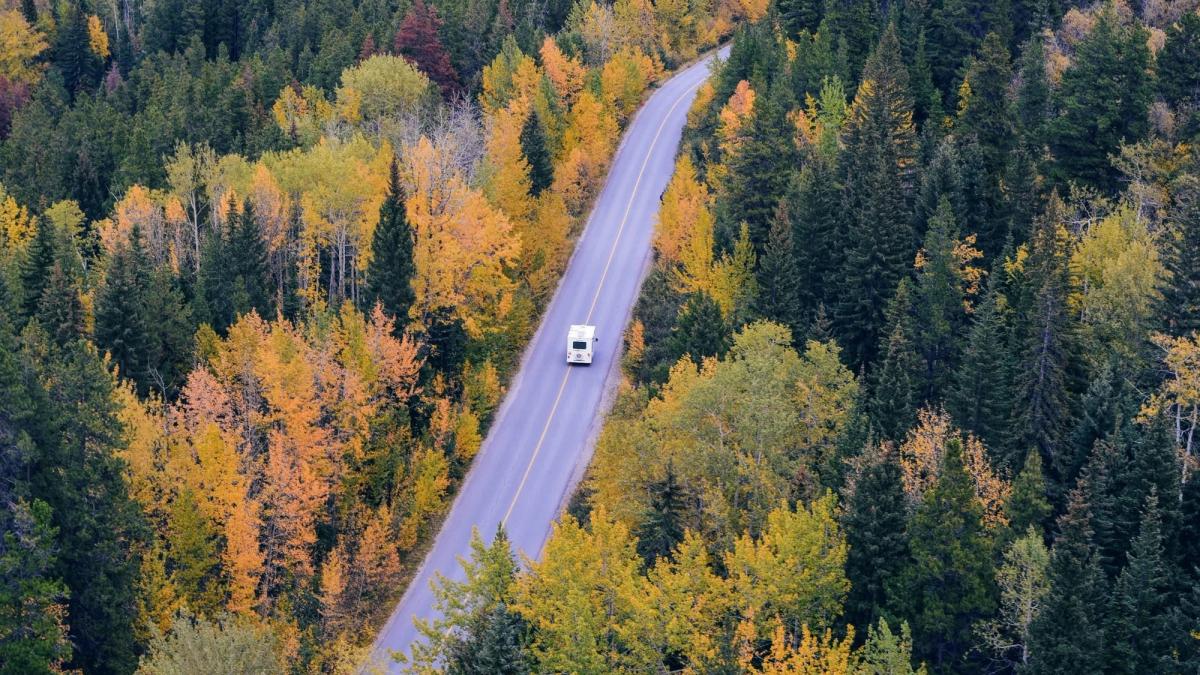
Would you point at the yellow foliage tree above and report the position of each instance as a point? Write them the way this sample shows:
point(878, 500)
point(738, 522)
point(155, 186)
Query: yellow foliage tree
point(565, 73)
point(97, 38)
point(20, 46)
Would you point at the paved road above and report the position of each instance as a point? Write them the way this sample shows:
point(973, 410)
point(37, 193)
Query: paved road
point(539, 444)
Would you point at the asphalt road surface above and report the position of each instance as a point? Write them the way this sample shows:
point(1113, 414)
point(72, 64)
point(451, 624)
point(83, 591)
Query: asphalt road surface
point(540, 442)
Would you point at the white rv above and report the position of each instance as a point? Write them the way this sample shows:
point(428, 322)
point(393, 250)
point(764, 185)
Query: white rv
point(579, 344)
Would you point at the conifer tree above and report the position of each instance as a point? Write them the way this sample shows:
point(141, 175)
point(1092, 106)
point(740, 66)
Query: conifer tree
point(879, 180)
point(894, 398)
point(248, 261)
point(60, 310)
point(938, 304)
point(533, 146)
point(1033, 93)
point(877, 533)
point(1180, 306)
point(779, 275)
point(1138, 632)
point(1103, 100)
point(761, 170)
point(948, 583)
point(986, 115)
point(1027, 505)
point(391, 270)
point(661, 528)
point(1068, 633)
point(980, 399)
point(36, 266)
point(1178, 79)
point(857, 23)
point(120, 316)
point(814, 207)
point(1107, 405)
point(700, 330)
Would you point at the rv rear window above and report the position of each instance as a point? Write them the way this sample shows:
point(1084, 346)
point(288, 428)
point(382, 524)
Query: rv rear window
point(578, 344)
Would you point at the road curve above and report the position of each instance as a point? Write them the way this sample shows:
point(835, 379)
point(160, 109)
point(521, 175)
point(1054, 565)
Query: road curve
point(540, 442)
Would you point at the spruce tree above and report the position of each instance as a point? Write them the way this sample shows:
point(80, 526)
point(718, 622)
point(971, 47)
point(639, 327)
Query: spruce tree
point(895, 396)
point(1034, 93)
point(938, 305)
point(661, 528)
point(700, 329)
point(495, 644)
point(879, 167)
point(814, 207)
point(248, 260)
point(1104, 98)
point(980, 399)
point(1108, 403)
point(1027, 505)
point(986, 115)
point(800, 15)
point(779, 275)
point(1178, 77)
point(533, 146)
point(1180, 306)
point(1138, 635)
point(1067, 636)
point(60, 310)
point(948, 582)
point(121, 330)
point(876, 527)
point(857, 23)
point(36, 266)
point(391, 270)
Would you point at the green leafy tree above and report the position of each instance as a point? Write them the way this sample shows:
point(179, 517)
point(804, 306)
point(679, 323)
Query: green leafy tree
point(948, 583)
point(1027, 505)
point(33, 638)
point(1103, 99)
point(225, 645)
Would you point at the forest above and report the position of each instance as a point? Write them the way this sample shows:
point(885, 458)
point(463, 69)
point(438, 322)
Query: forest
point(911, 386)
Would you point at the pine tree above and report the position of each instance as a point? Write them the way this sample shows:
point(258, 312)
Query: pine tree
point(986, 115)
point(700, 330)
point(779, 275)
point(533, 146)
point(894, 398)
point(954, 34)
point(1068, 634)
point(34, 637)
point(120, 310)
point(980, 399)
point(948, 583)
point(938, 304)
point(1027, 505)
point(60, 310)
point(761, 170)
point(1178, 79)
point(391, 270)
point(494, 644)
point(879, 169)
point(1104, 98)
point(1107, 405)
point(1044, 334)
point(418, 40)
point(1138, 633)
point(1034, 95)
point(36, 266)
point(1180, 306)
point(248, 261)
point(876, 532)
point(661, 528)
point(857, 23)
point(814, 207)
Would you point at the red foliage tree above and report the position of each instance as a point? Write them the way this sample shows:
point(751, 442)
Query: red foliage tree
point(418, 41)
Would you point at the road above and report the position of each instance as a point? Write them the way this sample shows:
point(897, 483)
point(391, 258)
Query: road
point(540, 442)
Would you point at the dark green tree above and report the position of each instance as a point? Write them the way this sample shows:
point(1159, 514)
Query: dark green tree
point(800, 15)
point(121, 328)
point(36, 266)
point(879, 179)
point(1178, 79)
point(1067, 636)
point(1138, 635)
point(248, 262)
point(1180, 306)
point(948, 583)
point(876, 527)
point(814, 208)
point(857, 22)
point(533, 145)
point(1103, 99)
point(938, 305)
point(32, 635)
point(390, 272)
point(779, 275)
point(980, 399)
point(895, 396)
point(700, 330)
point(986, 115)
point(60, 310)
point(1027, 505)
point(662, 525)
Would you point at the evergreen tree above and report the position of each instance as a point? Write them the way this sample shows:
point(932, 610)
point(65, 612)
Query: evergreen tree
point(533, 146)
point(948, 583)
point(120, 310)
point(1104, 98)
point(72, 53)
point(1178, 78)
point(1107, 405)
point(495, 643)
point(1068, 634)
point(1138, 632)
point(391, 270)
point(879, 179)
point(32, 635)
point(980, 399)
point(986, 115)
point(779, 275)
point(814, 209)
point(856, 22)
point(37, 264)
point(875, 523)
point(1034, 95)
point(661, 528)
point(60, 310)
point(1027, 505)
point(955, 31)
point(892, 406)
point(1044, 335)
point(938, 304)
point(700, 330)
point(248, 262)
point(760, 172)
point(1180, 306)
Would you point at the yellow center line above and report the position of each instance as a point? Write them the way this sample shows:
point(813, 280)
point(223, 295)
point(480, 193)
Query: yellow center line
point(604, 275)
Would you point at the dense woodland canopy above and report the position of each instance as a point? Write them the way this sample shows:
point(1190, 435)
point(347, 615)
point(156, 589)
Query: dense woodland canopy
point(912, 384)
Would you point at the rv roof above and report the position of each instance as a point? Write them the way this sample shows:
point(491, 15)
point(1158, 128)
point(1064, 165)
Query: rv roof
point(582, 332)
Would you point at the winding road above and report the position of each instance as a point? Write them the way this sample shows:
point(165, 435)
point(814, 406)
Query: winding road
point(542, 438)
